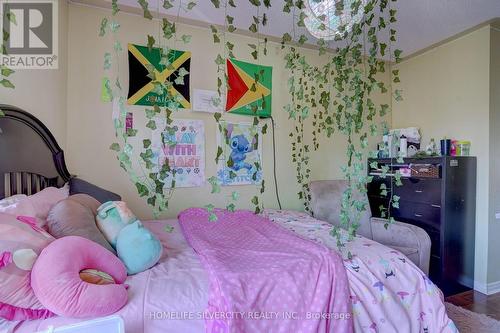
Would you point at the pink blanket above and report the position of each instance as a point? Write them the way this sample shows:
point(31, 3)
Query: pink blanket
point(264, 278)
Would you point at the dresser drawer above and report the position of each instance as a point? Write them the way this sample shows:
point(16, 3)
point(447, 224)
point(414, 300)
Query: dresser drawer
point(420, 212)
point(420, 190)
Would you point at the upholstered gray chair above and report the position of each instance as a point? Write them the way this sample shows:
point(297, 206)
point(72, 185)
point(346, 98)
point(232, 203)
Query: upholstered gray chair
point(412, 241)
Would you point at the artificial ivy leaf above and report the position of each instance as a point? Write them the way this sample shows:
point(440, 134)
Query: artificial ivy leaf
point(191, 5)
point(253, 28)
point(286, 38)
point(231, 28)
point(115, 147)
point(215, 184)
point(383, 46)
point(186, 39)
point(235, 196)
point(302, 39)
point(142, 189)
point(264, 129)
point(7, 84)
point(114, 6)
point(217, 116)
point(212, 217)
point(151, 42)
point(11, 17)
point(302, 17)
point(167, 4)
point(151, 125)
point(216, 3)
point(144, 5)
point(146, 143)
point(179, 80)
point(219, 154)
point(398, 95)
point(229, 19)
point(255, 200)
point(219, 60)
point(5, 71)
point(131, 132)
point(114, 26)
point(103, 26)
point(231, 207)
point(231, 3)
point(256, 3)
point(267, 3)
point(168, 228)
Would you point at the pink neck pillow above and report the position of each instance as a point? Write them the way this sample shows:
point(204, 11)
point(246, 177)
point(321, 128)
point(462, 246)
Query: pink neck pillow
point(58, 284)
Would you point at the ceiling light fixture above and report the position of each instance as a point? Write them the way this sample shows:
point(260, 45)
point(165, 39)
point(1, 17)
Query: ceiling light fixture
point(327, 20)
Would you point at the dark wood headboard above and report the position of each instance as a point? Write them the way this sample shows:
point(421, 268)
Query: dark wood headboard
point(30, 158)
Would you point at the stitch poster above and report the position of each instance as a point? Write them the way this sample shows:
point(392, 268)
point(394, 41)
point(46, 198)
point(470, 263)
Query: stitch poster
point(241, 160)
point(182, 143)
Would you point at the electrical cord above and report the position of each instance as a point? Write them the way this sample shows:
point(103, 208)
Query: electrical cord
point(274, 164)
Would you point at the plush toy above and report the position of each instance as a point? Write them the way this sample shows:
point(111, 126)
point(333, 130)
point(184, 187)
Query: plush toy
point(138, 248)
point(111, 217)
point(135, 245)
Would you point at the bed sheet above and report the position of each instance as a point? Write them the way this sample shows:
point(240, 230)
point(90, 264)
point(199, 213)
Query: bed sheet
point(389, 293)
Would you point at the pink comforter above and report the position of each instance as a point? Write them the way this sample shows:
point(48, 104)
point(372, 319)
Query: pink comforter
point(264, 278)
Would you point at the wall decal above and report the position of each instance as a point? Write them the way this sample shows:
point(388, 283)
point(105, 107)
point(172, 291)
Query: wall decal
point(142, 90)
point(183, 144)
point(249, 88)
point(240, 161)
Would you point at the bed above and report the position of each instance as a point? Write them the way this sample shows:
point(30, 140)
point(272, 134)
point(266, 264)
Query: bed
point(387, 292)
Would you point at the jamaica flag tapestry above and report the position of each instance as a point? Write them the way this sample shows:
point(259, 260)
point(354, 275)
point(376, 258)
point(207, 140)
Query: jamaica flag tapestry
point(141, 87)
point(249, 88)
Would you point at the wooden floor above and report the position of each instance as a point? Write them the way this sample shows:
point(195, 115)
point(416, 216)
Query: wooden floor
point(477, 302)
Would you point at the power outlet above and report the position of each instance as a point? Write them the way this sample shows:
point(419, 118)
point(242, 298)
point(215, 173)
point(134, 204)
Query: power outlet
point(497, 216)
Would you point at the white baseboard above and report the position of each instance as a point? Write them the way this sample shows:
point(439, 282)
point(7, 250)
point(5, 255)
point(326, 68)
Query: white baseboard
point(487, 289)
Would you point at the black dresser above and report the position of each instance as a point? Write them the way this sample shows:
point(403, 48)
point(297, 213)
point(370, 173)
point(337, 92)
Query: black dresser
point(440, 197)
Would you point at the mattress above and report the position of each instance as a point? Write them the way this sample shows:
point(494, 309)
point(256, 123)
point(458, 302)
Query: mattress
point(388, 292)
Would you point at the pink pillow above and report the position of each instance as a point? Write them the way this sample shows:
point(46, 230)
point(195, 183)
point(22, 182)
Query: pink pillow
point(21, 241)
point(17, 205)
point(60, 287)
point(46, 198)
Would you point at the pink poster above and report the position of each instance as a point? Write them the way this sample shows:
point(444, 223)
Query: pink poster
point(182, 144)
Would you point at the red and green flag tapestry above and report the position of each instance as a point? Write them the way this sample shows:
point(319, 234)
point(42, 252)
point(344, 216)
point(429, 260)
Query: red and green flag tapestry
point(249, 88)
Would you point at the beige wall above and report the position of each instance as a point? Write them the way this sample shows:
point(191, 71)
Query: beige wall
point(90, 129)
point(43, 92)
point(494, 226)
point(447, 94)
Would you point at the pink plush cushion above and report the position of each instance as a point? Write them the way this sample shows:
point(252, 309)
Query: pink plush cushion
point(21, 241)
point(57, 283)
point(46, 198)
point(37, 205)
point(17, 205)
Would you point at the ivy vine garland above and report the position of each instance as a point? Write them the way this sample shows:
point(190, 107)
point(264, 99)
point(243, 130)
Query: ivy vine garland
point(336, 98)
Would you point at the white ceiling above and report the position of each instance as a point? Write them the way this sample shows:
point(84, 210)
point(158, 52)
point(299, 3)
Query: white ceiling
point(421, 23)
